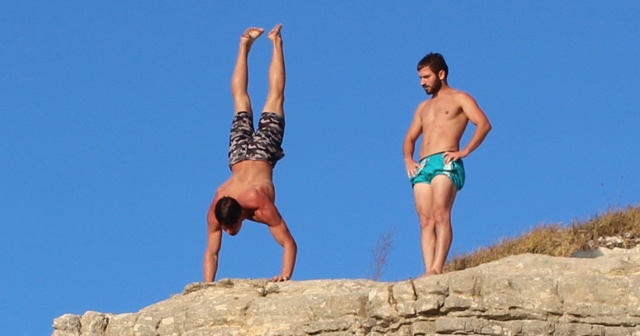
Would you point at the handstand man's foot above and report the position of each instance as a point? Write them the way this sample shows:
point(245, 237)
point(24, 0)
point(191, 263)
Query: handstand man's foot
point(274, 34)
point(250, 35)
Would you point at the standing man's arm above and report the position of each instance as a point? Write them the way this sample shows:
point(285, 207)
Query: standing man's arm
point(281, 234)
point(409, 143)
point(214, 240)
point(479, 119)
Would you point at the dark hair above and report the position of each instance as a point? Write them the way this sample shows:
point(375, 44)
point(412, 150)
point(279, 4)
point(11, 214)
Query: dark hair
point(435, 62)
point(228, 211)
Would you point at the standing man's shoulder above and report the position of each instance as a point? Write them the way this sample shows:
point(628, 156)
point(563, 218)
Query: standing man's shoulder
point(472, 110)
point(465, 101)
point(422, 106)
point(424, 102)
point(460, 96)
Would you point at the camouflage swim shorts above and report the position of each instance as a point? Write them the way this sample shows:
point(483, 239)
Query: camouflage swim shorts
point(261, 145)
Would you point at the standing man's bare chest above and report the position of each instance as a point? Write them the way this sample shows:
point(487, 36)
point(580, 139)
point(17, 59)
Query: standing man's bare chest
point(441, 112)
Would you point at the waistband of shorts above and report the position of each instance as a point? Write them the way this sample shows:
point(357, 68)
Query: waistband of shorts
point(432, 155)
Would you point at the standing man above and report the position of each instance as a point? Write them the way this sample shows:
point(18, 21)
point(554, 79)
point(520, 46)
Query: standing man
point(439, 175)
point(249, 192)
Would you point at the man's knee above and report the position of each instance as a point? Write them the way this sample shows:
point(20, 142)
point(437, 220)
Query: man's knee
point(275, 96)
point(441, 216)
point(426, 221)
point(242, 102)
point(275, 101)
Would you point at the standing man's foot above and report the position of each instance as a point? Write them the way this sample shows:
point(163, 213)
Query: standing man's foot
point(433, 272)
point(274, 34)
point(250, 35)
point(428, 273)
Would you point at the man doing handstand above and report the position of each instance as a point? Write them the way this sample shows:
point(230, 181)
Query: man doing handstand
point(249, 192)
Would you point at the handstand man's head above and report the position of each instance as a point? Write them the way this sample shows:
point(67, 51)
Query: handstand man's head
point(228, 213)
point(433, 70)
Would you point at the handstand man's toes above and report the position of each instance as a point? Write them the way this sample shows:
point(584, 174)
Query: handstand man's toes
point(251, 34)
point(275, 32)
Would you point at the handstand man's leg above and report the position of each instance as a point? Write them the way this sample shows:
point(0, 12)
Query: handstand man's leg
point(239, 79)
point(275, 96)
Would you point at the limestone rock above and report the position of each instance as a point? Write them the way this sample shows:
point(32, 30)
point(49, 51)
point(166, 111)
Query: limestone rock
point(519, 295)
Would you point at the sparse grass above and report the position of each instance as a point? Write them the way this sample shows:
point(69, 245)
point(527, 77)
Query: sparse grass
point(562, 241)
point(380, 253)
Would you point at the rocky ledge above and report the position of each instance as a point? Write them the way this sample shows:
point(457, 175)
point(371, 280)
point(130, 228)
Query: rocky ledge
point(519, 295)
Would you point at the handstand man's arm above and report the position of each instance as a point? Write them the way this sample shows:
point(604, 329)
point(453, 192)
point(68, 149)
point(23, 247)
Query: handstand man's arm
point(214, 239)
point(281, 234)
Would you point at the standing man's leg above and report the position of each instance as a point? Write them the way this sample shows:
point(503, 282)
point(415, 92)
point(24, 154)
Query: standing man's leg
point(423, 196)
point(275, 96)
point(240, 77)
point(444, 193)
point(433, 204)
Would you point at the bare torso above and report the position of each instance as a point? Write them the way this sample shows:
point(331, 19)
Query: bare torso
point(443, 122)
point(251, 184)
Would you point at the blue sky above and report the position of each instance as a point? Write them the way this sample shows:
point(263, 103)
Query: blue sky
point(114, 120)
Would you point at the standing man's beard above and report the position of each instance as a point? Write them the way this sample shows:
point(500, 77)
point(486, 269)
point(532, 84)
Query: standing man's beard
point(430, 90)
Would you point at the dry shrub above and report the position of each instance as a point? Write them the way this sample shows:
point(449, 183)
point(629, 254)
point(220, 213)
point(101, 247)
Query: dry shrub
point(380, 253)
point(561, 241)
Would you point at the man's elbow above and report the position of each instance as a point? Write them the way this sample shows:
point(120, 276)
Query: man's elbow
point(487, 127)
point(409, 139)
point(407, 144)
point(291, 246)
point(211, 255)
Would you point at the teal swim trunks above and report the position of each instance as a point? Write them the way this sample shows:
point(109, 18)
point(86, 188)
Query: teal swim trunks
point(433, 165)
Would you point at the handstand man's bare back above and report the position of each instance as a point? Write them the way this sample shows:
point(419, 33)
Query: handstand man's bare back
point(441, 120)
point(249, 192)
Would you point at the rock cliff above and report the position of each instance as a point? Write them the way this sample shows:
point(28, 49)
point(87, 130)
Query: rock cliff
point(519, 295)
